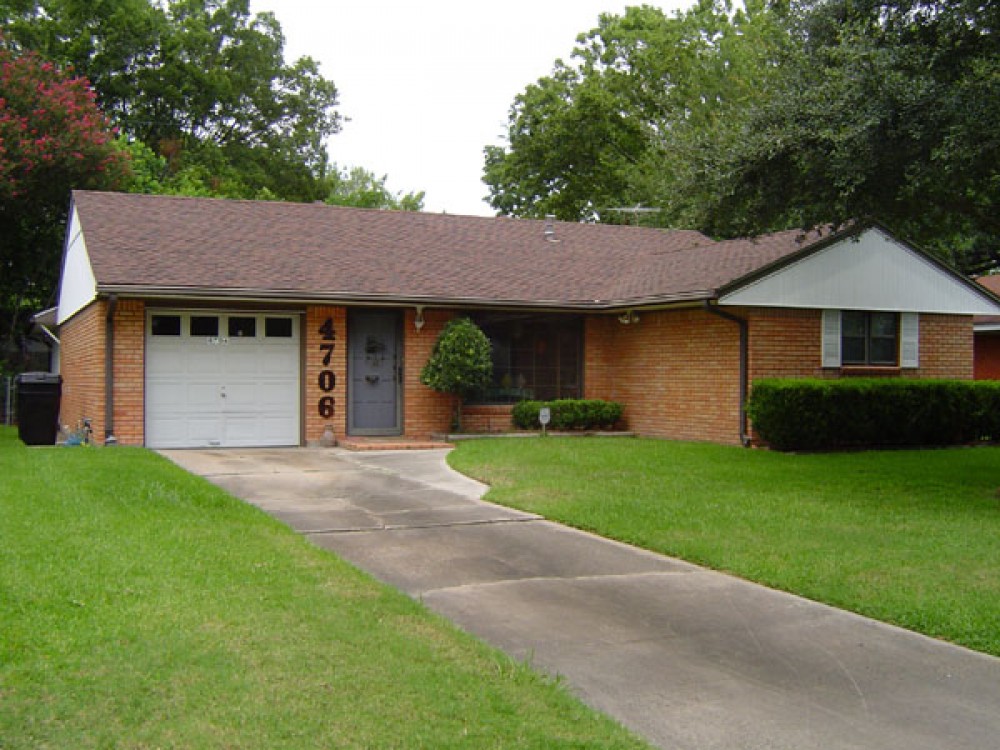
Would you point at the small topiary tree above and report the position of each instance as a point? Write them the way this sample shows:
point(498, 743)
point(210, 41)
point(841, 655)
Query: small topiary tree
point(460, 363)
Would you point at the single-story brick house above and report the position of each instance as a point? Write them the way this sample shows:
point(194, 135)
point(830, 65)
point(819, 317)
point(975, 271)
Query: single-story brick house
point(204, 322)
point(987, 337)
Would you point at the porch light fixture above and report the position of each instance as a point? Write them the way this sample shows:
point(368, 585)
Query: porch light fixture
point(628, 317)
point(418, 320)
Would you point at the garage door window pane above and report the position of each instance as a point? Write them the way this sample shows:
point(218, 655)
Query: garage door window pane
point(166, 325)
point(242, 327)
point(278, 328)
point(204, 325)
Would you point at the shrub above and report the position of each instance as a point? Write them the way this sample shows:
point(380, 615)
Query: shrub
point(569, 414)
point(460, 363)
point(812, 414)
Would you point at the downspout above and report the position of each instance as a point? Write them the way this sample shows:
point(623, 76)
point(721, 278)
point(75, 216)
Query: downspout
point(109, 373)
point(744, 364)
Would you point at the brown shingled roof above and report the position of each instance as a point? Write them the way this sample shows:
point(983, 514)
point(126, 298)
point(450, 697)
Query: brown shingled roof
point(993, 284)
point(201, 246)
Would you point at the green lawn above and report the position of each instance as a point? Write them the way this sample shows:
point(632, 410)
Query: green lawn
point(141, 607)
point(908, 537)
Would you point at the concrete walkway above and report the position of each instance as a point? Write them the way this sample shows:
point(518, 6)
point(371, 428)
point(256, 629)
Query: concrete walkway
point(686, 657)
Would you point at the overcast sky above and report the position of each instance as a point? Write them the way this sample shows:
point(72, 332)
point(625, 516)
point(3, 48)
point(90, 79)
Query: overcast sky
point(426, 85)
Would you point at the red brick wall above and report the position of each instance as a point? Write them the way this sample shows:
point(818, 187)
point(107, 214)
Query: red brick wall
point(987, 356)
point(129, 373)
point(81, 365)
point(424, 411)
point(599, 356)
point(676, 372)
point(487, 418)
point(314, 423)
point(786, 343)
point(783, 343)
point(946, 343)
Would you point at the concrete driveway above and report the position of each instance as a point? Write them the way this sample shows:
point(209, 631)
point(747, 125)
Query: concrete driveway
point(686, 657)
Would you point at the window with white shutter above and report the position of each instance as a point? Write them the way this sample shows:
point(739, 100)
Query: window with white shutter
point(870, 339)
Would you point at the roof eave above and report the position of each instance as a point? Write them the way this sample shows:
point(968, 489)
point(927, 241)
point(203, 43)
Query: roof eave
point(214, 294)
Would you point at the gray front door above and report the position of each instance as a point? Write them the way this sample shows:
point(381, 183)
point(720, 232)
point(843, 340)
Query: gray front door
point(374, 372)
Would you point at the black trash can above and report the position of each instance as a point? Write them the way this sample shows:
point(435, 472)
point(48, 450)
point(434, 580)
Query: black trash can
point(38, 395)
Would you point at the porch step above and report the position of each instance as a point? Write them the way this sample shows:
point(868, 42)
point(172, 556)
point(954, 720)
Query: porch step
point(390, 444)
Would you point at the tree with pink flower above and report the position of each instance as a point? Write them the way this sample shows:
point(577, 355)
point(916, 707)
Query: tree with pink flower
point(53, 139)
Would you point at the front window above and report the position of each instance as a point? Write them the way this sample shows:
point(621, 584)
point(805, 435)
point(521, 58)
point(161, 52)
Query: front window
point(869, 338)
point(534, 356)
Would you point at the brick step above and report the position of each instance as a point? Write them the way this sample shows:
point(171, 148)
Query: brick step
point(390, 444)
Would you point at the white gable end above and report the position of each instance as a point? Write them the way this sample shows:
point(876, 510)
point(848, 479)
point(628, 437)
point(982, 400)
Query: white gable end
point(869, 272)
point(77, 284)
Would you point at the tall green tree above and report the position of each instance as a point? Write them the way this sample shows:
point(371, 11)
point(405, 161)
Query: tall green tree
point(884, 110)
point(738, 121)
point(617, 125)
point(361, 188)
point(203, 83)
point(52, 139)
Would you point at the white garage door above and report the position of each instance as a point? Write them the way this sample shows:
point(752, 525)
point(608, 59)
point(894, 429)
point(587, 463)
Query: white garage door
point(226, 379)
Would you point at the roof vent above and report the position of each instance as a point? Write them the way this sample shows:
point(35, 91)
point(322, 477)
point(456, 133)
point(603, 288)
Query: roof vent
point(550, 228)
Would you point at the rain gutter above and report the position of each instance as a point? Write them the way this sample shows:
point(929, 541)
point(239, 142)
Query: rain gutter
point(744, 327)
point(109, 372)
point(393, 300)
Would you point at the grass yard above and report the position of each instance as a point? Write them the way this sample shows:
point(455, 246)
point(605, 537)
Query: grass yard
point(907, 537)
point(142, 607)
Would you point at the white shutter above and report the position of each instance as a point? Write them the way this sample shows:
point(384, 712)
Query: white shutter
point(831, 338)
point(909, 340)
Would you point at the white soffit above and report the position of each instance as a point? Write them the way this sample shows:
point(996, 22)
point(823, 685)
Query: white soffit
point(77, 284)
point(871, 271)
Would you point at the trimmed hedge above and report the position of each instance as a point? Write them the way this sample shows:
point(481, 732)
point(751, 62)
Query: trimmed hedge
point(814, 414)
point(568, 414)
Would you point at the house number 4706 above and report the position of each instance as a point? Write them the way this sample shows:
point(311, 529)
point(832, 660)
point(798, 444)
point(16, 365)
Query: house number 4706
point(327, 377)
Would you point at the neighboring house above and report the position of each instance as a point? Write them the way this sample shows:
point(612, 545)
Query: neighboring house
point(43, 325)
point(202, 322)
point(987, 337)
